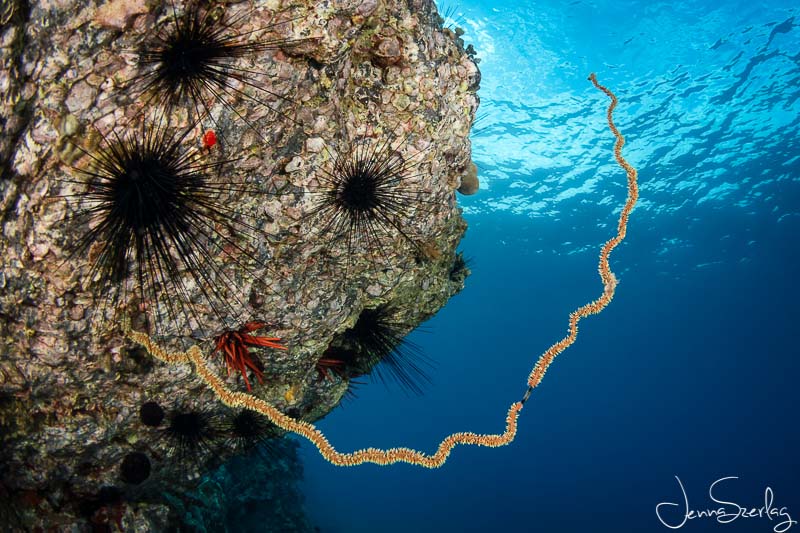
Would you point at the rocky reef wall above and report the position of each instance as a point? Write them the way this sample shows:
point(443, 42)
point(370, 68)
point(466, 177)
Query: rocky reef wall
point(337, 80)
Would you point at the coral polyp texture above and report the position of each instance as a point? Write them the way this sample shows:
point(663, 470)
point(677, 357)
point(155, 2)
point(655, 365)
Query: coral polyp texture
point(229, 231)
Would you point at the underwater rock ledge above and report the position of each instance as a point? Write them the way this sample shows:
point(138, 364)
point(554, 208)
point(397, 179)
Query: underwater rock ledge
point(345, 74)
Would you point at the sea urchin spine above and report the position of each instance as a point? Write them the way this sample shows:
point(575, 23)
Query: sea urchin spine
point(192, 435)
point(235, 346)
point(246, 430)
point(153, 210)
point(367, 196)
point(193, 59)
point(377, 341)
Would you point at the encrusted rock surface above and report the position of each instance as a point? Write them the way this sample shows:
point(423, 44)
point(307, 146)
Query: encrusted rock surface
point(70, 383)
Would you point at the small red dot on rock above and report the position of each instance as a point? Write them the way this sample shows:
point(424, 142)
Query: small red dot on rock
point(209, 139)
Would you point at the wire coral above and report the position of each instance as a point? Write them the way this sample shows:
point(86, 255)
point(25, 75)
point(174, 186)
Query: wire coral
point(235, 347)
point(606, 275)
point(394, 455)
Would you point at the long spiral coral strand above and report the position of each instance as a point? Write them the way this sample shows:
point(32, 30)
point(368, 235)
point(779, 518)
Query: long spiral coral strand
point(407, 455)
point(606, 275)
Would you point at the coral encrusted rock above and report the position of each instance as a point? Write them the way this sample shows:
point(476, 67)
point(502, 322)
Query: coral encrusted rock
point(340, 135)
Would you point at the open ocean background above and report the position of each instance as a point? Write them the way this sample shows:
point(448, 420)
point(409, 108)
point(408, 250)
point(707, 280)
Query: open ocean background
point(694, 369)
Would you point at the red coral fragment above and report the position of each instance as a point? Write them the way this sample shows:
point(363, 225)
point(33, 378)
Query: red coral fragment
point(234, 345)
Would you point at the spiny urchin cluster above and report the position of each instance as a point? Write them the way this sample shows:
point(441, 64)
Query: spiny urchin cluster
point(160, 225)
point(193, 436)
point(159, 217)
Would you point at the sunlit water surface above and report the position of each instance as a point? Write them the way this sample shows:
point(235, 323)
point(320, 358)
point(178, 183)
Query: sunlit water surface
point(693, 369)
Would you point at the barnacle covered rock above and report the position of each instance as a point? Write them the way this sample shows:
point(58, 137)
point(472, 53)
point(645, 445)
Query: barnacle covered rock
point(351, 73)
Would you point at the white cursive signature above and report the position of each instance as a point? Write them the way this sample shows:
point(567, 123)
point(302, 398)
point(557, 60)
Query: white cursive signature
point(727, 512)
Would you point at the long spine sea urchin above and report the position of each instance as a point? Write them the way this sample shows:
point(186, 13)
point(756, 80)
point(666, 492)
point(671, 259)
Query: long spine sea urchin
point(193, 60)
point(367, 196)
point(192, 436)
point(246, 430)
point(153, 213)
point(377, 343)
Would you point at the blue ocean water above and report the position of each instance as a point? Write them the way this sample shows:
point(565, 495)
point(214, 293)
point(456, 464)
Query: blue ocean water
point(690, 377)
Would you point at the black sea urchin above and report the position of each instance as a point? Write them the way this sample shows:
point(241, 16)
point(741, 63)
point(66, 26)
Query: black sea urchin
point(151, 414)
point(245, 430)
point(376, 343)
point(460, 268)
point(152, 213)
point(135, 468)
point(193, 60)
point(367, 196)
point(192, 436)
